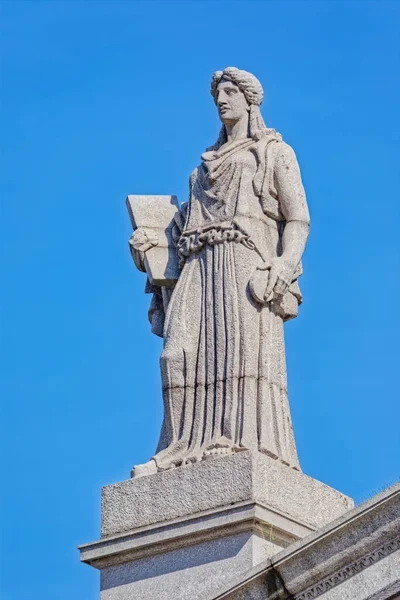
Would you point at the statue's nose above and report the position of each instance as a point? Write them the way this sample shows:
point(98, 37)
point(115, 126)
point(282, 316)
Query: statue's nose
point(221, 99)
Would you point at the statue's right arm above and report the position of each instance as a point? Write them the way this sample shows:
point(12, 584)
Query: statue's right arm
point(140, 241)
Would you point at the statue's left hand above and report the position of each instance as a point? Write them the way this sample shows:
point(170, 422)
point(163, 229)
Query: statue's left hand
point(272, 279)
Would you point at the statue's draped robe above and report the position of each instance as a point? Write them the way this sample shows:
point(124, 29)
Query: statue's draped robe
point(223, 363)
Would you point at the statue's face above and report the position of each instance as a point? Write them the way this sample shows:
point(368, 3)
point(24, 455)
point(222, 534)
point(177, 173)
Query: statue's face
point(231, 102)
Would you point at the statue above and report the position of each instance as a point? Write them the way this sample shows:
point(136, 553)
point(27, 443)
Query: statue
point(238, 243)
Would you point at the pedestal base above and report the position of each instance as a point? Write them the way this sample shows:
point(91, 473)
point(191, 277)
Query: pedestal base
point(182, 533)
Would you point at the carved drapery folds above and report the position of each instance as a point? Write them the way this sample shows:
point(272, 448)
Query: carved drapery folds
point(239, 240)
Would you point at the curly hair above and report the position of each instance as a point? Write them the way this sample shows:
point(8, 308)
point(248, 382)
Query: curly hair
point(246, 82)
point(254, 94)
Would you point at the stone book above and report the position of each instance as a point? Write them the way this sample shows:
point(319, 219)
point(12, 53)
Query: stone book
point(156, 214)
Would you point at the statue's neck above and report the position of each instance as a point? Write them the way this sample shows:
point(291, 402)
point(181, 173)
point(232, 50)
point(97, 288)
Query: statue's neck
point(238, 130)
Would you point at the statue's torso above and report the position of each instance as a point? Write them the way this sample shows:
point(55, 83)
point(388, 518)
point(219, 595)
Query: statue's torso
point(222, 196)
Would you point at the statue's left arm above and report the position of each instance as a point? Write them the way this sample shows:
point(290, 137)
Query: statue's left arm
point(293, 205)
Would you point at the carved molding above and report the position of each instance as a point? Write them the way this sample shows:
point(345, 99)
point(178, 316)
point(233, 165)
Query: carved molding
point(348, 571)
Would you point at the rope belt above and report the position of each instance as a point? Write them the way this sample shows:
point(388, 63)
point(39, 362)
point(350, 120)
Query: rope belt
point(194, 240)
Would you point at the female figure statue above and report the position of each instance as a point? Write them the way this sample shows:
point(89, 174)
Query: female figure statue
point(241, 239)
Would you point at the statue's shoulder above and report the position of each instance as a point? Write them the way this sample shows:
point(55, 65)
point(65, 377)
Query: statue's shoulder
point(271, 141)
point(275, 143)
point(283, 155)
point(274, 154)
point(271, 149)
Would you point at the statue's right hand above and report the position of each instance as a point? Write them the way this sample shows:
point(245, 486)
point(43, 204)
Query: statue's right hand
point(140, 242)
point(143, 239)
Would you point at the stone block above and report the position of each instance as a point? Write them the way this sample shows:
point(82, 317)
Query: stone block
point(182, 574)
point(185, 532)
point(218, 482)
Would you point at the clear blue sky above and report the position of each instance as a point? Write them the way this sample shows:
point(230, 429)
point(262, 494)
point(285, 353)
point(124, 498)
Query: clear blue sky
point(102, 99)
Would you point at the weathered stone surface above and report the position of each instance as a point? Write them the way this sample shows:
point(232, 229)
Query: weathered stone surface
point(356, 557)
point(154, 219)
point(182, 574)
point(202, 527)
point(224, 489)
point(240, 240)
point(193, 528)
point(217, 482)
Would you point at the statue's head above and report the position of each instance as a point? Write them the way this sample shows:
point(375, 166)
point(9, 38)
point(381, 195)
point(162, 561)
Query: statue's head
point(238, 94)
point(231, 102)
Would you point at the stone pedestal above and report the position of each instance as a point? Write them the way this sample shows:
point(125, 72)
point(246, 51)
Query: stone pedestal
point(185, 532)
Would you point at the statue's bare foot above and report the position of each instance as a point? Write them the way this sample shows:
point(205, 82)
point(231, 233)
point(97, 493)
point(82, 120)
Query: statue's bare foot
point(148, 468)
point(170, 457)
point(215, 451)
point(191, 459)
point(221, 446)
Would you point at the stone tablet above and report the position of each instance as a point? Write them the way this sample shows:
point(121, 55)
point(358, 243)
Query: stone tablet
point(156, 214)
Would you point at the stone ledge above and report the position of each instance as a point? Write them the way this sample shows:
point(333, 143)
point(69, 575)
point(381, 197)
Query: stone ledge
point(277, 529)
point(216, 483)
point(366, 536)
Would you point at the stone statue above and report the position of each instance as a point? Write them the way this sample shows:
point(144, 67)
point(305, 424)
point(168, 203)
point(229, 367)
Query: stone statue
point(239, 241)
